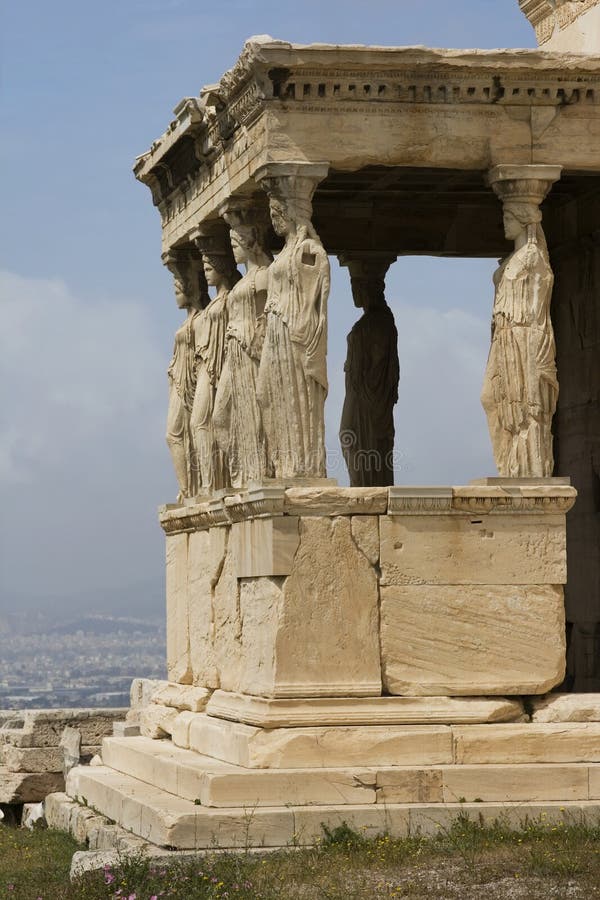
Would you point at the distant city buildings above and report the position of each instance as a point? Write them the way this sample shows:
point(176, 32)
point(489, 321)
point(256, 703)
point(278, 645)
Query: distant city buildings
point(90, 663)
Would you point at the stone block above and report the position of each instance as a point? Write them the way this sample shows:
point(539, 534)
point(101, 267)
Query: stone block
point(157, 721)
point(43, 728)
point(527, 743)
point(179, 666)
point(315, 633)
point(567, 708)
point(28, 787)
point(206, 556)
point(38, 759)
point(181, 729)
point(182, 697)
point(269, 713)
point(227, 620)
point(473, 549)
point(472, 639)
point(282, 748)
point(125, 729)
point(409, 785)
point(58, 809)
point(369, 821)
point(336, 501)
point(594, 784)
point(515, 783)
point(365, 533)
point(70, 744)
point(265, 547)
point(142, 690)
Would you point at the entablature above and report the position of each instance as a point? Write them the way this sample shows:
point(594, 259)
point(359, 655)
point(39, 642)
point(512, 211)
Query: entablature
point(359, 106)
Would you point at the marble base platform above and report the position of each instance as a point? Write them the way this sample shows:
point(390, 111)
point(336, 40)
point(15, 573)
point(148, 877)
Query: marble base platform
point(331, 592)
point(185, 799)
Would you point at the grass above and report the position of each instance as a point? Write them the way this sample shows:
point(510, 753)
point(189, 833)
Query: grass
point(467, 861)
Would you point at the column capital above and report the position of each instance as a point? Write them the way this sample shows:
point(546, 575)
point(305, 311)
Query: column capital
point(288, 181)
point(210, 237)
point(246, 211)
point(523, 184)
point(366, 263)
point(313, 171)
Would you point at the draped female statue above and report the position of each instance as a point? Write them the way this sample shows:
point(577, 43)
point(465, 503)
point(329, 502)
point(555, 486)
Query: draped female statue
point(520, 389)
point(191, 294)
point(237, 418)
point(292, 379)
point(209, 340)
point(372, 375)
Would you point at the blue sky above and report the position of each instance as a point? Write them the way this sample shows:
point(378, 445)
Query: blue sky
point(87, 311)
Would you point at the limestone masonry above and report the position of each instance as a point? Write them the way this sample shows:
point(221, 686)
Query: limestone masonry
point(378, 654)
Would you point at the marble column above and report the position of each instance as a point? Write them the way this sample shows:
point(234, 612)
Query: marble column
point(372, 375)
point(191, 295)
point(520, 389)
point(292, 377)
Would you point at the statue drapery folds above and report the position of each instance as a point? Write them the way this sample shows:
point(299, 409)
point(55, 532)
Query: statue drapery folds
point(292, 380)
point(191, 294)
point(520, 390)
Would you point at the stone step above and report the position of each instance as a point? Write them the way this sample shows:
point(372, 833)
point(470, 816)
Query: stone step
point(265, 712)
point(210, 782)
point(387, 745)
point(213, 783)
point(168, 821)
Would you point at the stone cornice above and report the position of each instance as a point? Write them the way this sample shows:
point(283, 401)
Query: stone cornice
point(529, 499)
point(324, 78)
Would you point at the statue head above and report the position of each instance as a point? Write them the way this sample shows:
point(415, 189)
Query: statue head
point(290, 203)
point(518, 215)
point(188, 278)
point(367, 291)
point(249, 224)
point(220, 270)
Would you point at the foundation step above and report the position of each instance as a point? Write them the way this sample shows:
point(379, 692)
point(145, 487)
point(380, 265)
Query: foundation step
point(387, 745)
point(212, 783)
point(169, 821)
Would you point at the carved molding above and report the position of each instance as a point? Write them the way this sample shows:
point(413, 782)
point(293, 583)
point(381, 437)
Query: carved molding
point(536, 499)
point(546, 15)
point(481, 500)
point(253, 504)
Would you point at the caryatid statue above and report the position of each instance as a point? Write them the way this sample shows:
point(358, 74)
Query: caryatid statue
point(237, 417)
point(210, 329)
point(191, 294)
point(372, 374)
point(292, 379)
point(520, 389)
